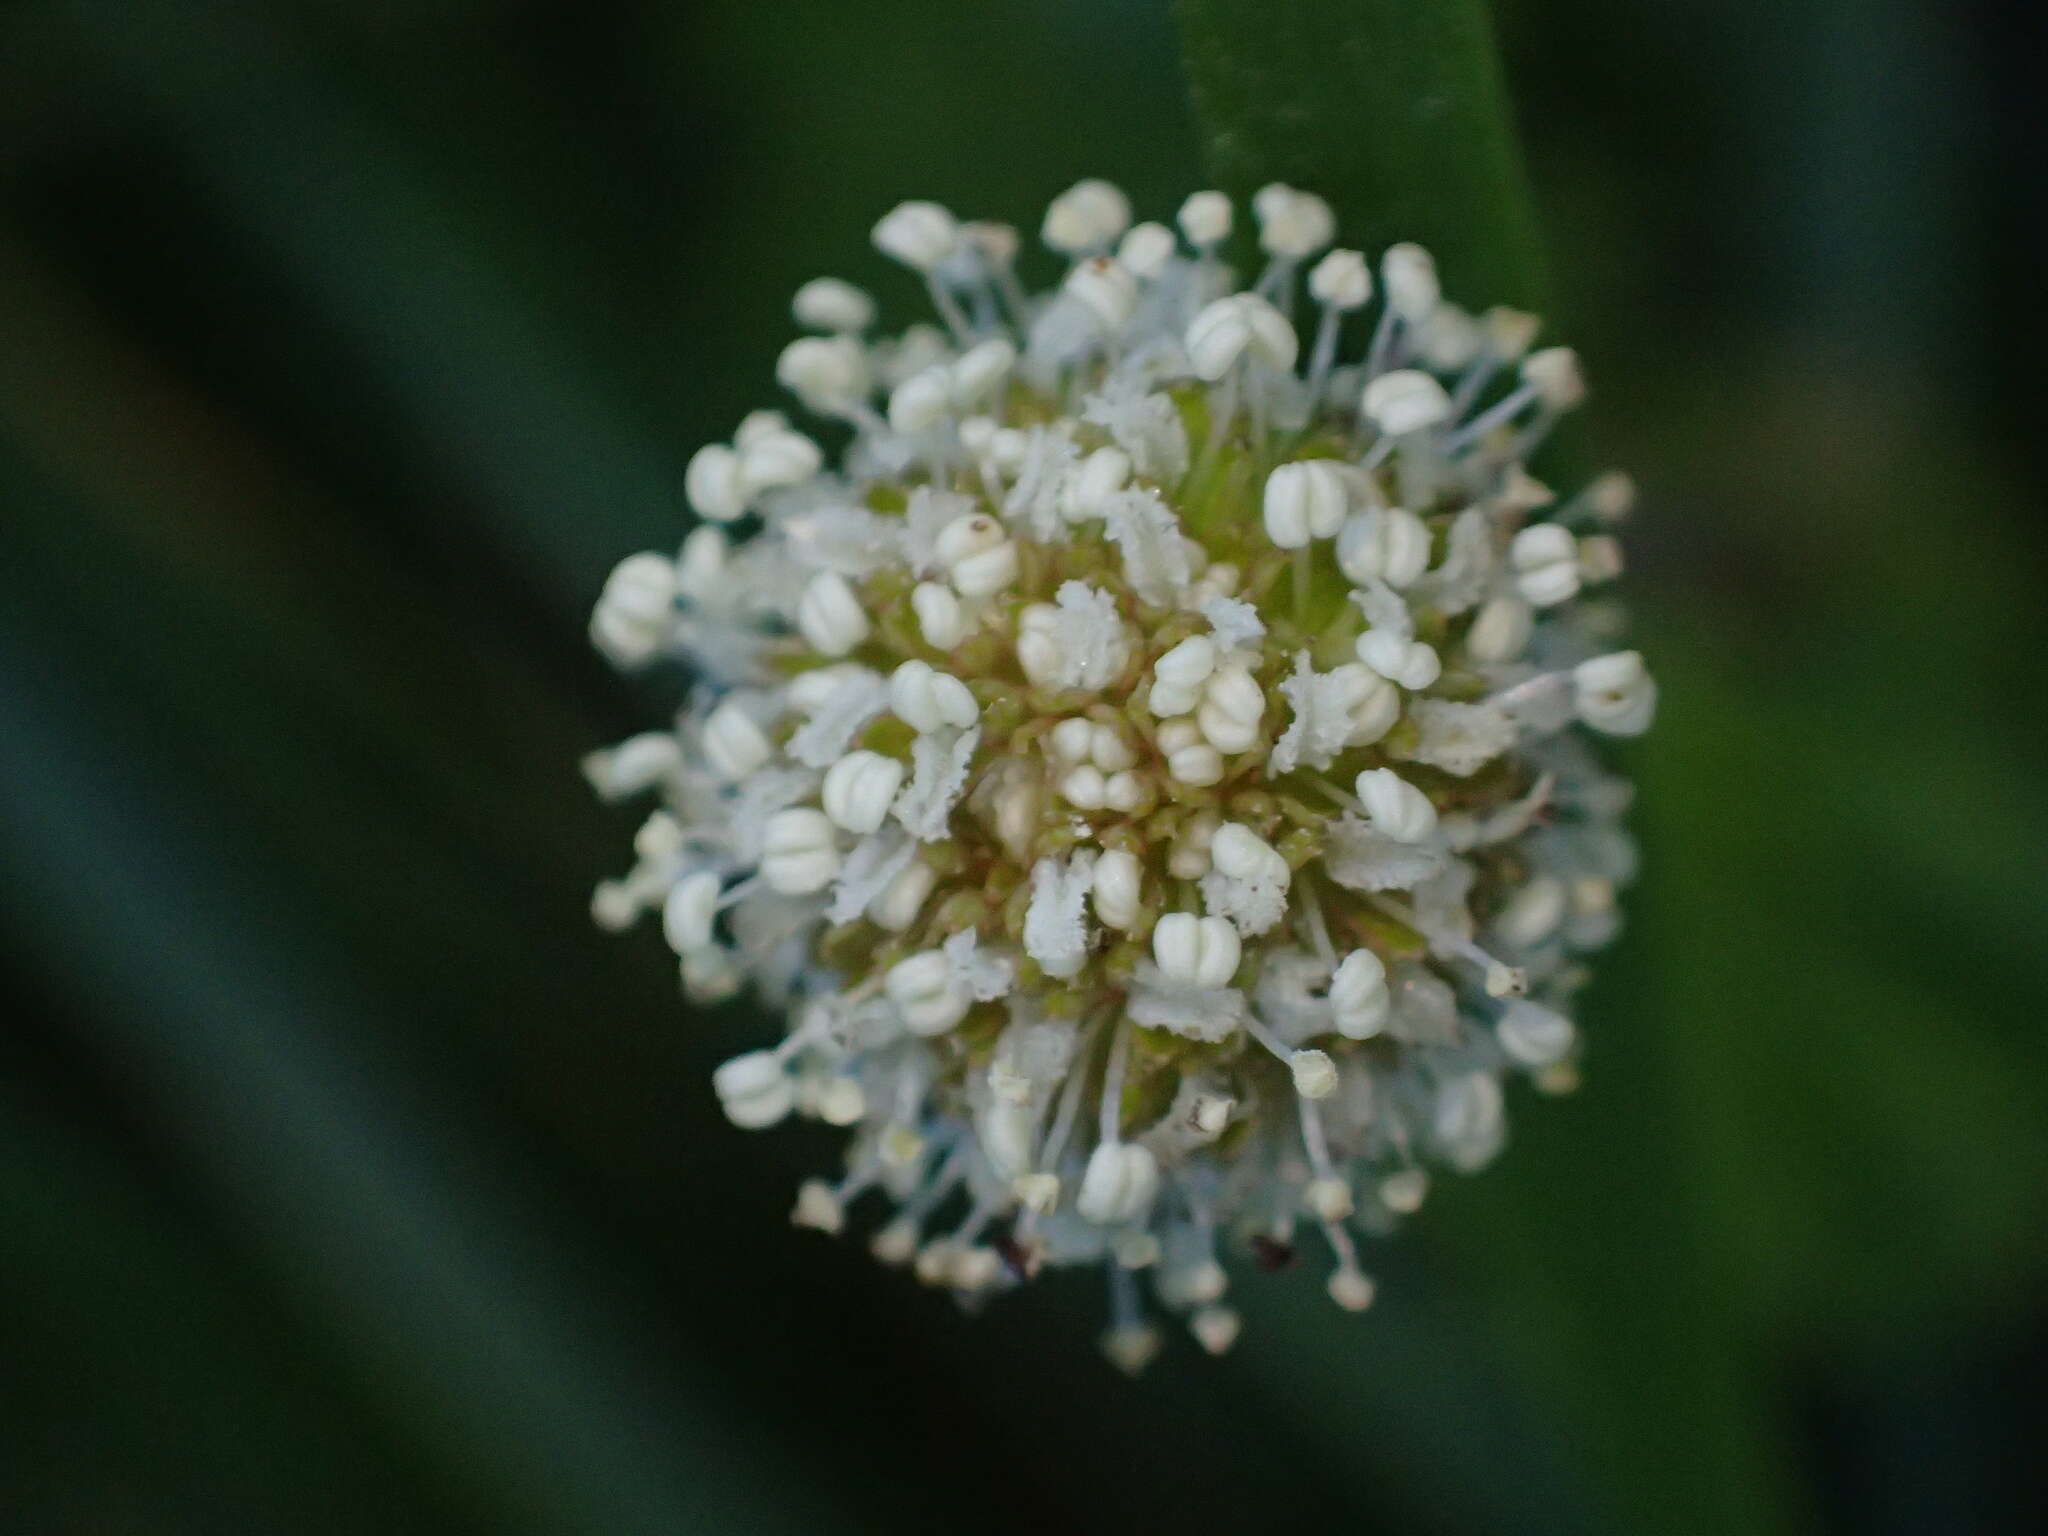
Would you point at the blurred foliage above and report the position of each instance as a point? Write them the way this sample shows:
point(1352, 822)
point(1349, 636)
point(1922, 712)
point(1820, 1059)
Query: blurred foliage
point(348, 1181)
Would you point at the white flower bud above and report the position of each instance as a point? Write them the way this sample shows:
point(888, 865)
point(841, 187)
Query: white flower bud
point(1546, 562)
point(1107, 290)
point(1341, 280)
point(1500, 630)
point(1232, 704)
point(1234, 326)
point(828, 304)
point(1292, 224)
point(921, 401)
point(798, 854)
point(918, 234)
point(1072, 740)
point(687, 914)
point(1315, 1075)
point(777, 457)
point(1304, 500)
point(1389, 544)
point(986, 573)
point(754, 1090)
point(1098, 477)
point(1118, 881)
point(1179, 676)
point(1120, 1184)
point(1108, 750)
point(1395, 806)
point(1406, 400)
point(1615, 693)
point(1197, 951)
point(1410, 275)
point(973, 534)
point(922, 988)
point(1082, 787)
point(926, 699)
point(1534, 1035)
point(1088, 216)
point(1532, 914)
point(829, 616)
point(1358, 995)
point(898, 905)
point(1198, 764)
point(1039, 651)
point(827, 373)
point(939, 617)
point(713, 485)
point(734, 745)
point(980, 369)
point(859, 789)
point(1205, 219)
point(1146, 250)
point(1554, 374)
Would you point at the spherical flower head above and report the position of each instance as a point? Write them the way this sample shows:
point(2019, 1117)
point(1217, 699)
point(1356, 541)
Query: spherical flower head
point(1152, 765)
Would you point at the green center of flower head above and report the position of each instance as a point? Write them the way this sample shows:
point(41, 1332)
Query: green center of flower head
point(1147, 766)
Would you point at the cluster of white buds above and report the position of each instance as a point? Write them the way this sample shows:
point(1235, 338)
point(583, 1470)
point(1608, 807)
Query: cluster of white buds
point(1149, 764)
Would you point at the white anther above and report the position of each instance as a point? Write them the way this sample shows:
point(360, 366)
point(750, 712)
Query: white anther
point(1292, 223)
point(711, 975)
point(1500, 630)
point(700, 564)
point(925, 699)
point(1403, 1192)
point(1239, 852)
point(1341, 280)
point(1232, 704)
point(809, 692)
point(774, 455)
point(818, 1208)
point(1315, 1075)
point(923, 989)
point(1350, 1289)
point(1088, 216)
point(1615, 693)
point(986, 573)
point(1358, 995)
point(841, 1101)
point(1007, 449)
point(1328, 1199)
point(829, 616)
point(1599, 558)
point(997, 244)
point(921, 401)
point(900, 902)
point(1123, 791)
point(918, 234)
point(859, 789)
point(1118, 879)
point(1395, 806)
point(1406, 400)
point(830, 304)
point(1108, 750)
point(1303, 501)
point(979, 370)
point(939, 616)
point(1411, 663)
point(659, 837)
point(1449, 339)
point(1533, 913)
point(1085, 496)
point(1120, 1184)
point(1198, 951)
point(754, 1090)
point(1534, 1035)
point(1039, 651)
point(1554, 374)
point(1106, 288)
point(1389, 544)
point(1146, 249)
point(1236, 326)
point(798, 853)
point(713, 485)
point(1210, 1114)
point(636, 608)
point(734, 745)
point(1205, 219)
point(1082, 787)
point(975, 534)
point(1612, 496)
point(1510, 332)
point(686, 915)
point(1410, 275)
point(828, 373)
point(1546, 561)
point(1216, 1328)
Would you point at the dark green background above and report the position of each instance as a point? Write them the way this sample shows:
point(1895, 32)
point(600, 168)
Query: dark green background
point(350, 1182)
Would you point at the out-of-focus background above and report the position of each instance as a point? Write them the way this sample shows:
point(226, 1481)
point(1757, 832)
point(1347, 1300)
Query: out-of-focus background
point(349, 1181)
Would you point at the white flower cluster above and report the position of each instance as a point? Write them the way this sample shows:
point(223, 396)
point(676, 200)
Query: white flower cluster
point(1145, 763)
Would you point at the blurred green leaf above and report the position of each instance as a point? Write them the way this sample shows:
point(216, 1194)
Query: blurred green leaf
point(1393, 109)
